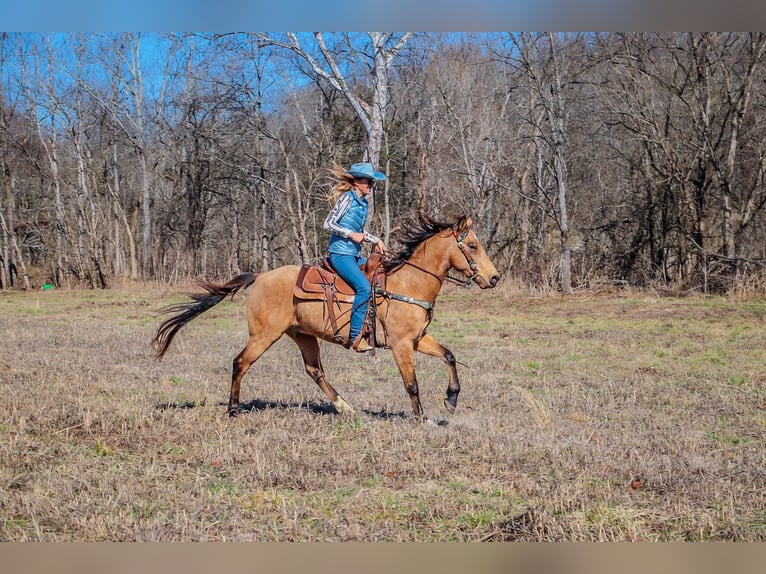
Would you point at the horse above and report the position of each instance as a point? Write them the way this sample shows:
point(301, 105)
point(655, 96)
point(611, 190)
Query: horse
point(414, 278)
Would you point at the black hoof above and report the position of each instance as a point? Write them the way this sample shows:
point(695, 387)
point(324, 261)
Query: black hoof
point(435, 423)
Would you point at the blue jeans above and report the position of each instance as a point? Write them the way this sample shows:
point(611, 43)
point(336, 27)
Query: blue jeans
point(347, 267)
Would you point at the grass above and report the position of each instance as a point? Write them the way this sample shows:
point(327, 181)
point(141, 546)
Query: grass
point(567, 404)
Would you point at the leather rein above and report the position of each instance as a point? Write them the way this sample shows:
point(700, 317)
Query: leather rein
point(441, 278)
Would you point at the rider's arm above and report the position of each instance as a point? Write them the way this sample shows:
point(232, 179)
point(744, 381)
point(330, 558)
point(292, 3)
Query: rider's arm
point(331, 221)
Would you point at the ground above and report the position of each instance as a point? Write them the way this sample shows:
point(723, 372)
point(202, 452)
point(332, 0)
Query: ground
point(623, 417)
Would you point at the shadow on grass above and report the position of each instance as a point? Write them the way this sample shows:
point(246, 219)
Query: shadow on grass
point(259, 405)
point(181, 405)
point(313, 407)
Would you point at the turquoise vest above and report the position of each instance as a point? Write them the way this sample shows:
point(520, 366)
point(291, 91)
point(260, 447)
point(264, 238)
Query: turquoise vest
point(354, 219)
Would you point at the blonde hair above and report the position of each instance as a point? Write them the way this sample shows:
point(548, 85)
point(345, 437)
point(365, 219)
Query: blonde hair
point(342, 182)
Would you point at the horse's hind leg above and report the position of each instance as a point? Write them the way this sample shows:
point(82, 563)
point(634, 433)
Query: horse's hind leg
point(309, 347)
point(256, 346)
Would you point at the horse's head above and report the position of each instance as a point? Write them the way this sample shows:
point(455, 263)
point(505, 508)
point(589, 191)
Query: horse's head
point(453, 246)
point(470, 257)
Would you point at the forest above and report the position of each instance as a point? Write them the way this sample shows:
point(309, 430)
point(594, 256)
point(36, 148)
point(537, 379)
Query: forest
point(586, 160)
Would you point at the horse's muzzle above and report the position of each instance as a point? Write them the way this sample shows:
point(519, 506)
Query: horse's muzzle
point(484, 284)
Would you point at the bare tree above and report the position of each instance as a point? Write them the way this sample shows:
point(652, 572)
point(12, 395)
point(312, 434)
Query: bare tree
point(739, 60)
point(551, 66)
point(40, 87)
point(6, 46)
point(121, 59)
point(377, 57)
point(684, 99)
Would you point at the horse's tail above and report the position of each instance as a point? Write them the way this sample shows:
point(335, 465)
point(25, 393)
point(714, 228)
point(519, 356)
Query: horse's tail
point(201, 302)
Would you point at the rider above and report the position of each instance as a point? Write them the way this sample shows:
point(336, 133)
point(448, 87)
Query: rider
point(346, 223)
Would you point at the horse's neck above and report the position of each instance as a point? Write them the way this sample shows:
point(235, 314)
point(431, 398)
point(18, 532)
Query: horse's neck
point(420, 276)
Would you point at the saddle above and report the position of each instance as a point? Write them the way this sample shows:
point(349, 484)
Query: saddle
point(322, 283)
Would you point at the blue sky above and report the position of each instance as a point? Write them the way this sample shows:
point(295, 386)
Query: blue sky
point(422, 15)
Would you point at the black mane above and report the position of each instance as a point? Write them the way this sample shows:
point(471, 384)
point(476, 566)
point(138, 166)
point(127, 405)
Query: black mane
point(413, 233)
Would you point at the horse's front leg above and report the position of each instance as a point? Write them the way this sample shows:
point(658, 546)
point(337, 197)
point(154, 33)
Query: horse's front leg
point(430, 346)
point(404, 357)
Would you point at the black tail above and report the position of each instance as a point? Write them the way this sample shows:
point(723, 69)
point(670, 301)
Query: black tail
point(201, 302)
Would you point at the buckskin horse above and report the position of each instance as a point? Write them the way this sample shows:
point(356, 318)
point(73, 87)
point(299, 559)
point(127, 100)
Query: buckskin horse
point(413, 279)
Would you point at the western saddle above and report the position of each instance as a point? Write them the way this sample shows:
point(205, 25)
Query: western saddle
point(322, 283)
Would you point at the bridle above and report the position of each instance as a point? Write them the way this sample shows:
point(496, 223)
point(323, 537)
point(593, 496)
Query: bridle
point(471, 263)
point(460, 238)
point(428, 305)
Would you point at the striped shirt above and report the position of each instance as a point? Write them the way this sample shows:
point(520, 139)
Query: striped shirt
point(332, 222)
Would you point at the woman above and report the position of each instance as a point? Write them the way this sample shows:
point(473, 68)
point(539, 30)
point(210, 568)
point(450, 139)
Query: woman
point(346, 223)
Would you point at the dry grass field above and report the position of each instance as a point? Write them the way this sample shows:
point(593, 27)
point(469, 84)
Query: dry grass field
point(626, 417)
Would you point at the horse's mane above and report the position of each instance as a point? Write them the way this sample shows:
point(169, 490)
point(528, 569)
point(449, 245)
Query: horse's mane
point(413, 233)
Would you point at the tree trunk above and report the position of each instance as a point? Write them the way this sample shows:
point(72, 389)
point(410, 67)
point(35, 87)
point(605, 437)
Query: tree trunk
point(11, 234)
point(295, 208)
point(558, 140)
point(739, 93)
point(146, 210)
point(122, 215)
point(6, 280)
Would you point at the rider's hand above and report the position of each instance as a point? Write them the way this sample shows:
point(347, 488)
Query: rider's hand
point(380, 247)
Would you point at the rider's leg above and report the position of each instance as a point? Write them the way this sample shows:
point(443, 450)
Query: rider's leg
point(347, 267)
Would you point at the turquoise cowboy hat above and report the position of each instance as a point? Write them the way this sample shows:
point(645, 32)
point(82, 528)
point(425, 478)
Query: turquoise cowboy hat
point(364, 170)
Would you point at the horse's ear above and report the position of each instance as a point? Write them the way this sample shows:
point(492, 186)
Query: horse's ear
point(463, 223)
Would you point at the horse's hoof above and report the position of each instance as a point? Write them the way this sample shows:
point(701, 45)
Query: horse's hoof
point(449, 406)
point(436, 423)
point(342, 407)
point(232, 412)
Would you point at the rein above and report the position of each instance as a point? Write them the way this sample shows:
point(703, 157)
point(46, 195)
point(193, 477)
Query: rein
point(428, 306)
point(442, 278)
